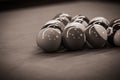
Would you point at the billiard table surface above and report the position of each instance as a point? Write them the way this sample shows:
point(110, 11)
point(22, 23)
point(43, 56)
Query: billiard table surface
point(21, 59)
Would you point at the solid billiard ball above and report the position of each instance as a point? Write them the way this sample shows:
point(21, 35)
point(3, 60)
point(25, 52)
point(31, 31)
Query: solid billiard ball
point(49, 39)
point(73, 36)
point(81, 19)
point(96, 36)
point(114, 33)
point(100, 20)
point(54, 24)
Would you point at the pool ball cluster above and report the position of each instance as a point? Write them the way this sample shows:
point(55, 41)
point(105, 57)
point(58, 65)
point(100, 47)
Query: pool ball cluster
point(74, 33)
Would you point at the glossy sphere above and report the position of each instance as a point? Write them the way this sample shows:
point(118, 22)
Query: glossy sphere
point(63, 15)
point(100, 20)
point(114, 33)
point(96, 36)
point(49, 39)
point(81, 19)
point(64, 20)
point(114, 22)
point(73, 36)
point(117, 38)
point(54, 24)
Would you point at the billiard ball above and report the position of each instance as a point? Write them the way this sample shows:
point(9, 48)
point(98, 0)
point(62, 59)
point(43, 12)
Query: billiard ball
point(81, 19)
point(73, 36)
point(114, 22)
point(49, 39)
point(100, 20)
point(96, 36)
point(63, 15)
point(114, 33)
point(54, 24)
point(64, 20)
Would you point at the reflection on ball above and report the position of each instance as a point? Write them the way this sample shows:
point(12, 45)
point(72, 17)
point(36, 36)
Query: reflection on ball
point(49, 39)
point(96, 36)
point(114, 32)
point(73, 36)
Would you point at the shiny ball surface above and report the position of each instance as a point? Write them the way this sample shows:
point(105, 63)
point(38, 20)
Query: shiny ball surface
point(100, 20)
point(54, 24)
point(114, 33)
point(96, 36)
point(74, 37)
point(117, 38)
point(81, 19)
point(49, 39)
point(65, 15)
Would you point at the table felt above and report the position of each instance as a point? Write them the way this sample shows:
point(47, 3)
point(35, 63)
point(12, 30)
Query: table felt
point(21, 59)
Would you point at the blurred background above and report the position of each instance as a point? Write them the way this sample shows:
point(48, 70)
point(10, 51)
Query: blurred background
point(13, 4)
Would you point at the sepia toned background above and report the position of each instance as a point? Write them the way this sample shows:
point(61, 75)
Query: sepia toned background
point(21, 59)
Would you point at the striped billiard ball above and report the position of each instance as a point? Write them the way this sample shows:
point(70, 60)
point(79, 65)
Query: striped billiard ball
point(96, 36)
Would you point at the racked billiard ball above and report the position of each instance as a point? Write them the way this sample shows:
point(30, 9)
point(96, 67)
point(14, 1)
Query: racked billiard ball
point(100, 20)
point(49, 39)
point(114, 22)
point(81, 19)
point(96, 36)
point(54, 24)
point(73, 36)
point(63, 15)
point(114, 33)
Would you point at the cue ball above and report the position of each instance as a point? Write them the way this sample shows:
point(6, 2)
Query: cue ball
point(114, 33)
point(100, 20)
point(96, 36)
point(73, 36)
point(49, 39)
